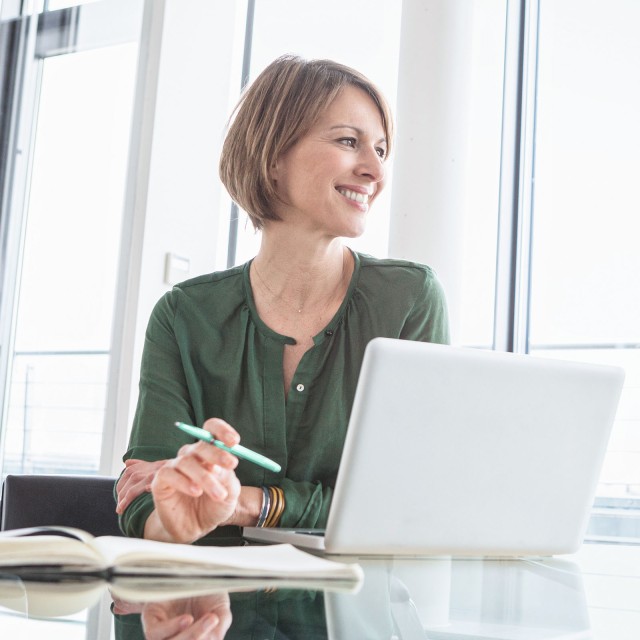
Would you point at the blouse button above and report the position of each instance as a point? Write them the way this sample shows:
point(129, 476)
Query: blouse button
point(300, 387)
point(328, 332)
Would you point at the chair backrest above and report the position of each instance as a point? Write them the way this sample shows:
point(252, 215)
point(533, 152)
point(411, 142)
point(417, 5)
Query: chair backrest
point(84, 502)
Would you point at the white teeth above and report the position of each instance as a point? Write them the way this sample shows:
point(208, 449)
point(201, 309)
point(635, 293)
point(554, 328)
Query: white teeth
point(352, 195)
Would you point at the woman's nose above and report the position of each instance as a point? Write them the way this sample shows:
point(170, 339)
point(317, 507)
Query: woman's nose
point(371, 165)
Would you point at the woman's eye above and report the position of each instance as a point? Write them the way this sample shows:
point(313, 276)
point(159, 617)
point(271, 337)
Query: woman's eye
point(381, 152)
point(349, 142)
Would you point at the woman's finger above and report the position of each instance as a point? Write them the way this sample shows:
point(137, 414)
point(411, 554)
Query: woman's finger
point(169, 481)
point(204, 627)
point(209, 454)
point(223, 431)
point(188, 476)
point(157, 626)
point(135, 479)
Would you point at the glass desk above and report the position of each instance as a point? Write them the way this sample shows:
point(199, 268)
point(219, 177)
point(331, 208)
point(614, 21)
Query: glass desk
point(593, 594)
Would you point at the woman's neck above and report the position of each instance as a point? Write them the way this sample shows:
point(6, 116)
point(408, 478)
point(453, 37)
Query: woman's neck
point(297, 288)
point(301, 276)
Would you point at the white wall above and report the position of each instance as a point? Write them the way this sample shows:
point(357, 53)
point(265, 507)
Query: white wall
point(188, 79)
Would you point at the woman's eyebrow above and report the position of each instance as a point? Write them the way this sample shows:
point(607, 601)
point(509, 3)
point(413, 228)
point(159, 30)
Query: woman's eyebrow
point(359, 131)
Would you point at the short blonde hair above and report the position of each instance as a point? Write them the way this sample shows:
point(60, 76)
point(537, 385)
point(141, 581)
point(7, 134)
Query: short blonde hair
point(278, 109)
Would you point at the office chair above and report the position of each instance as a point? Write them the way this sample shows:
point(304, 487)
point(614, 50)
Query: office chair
point(84, 502)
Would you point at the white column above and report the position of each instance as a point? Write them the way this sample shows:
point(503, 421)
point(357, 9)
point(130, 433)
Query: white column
point(428, 199)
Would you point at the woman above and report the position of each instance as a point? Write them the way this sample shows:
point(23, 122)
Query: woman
point(274, 347)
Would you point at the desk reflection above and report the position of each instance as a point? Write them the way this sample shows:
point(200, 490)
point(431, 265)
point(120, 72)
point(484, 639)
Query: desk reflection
point(399, 599)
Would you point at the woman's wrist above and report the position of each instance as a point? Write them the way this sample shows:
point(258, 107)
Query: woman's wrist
point(155, 530)
point(246, 514)
point(248, 508)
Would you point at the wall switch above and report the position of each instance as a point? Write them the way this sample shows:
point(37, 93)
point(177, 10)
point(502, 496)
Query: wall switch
point(176, 269)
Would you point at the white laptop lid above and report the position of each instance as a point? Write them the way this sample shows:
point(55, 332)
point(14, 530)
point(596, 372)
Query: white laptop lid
point(454, 451)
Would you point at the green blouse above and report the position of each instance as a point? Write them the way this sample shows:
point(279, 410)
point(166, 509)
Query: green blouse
point(208, 354)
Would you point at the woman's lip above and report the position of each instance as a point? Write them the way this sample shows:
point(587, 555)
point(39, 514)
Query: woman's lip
point(356, 188)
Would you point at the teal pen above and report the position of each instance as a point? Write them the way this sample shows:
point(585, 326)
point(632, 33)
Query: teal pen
point(237, 450)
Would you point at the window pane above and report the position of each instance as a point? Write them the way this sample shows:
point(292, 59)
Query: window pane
point(75, 207)
point(585, 302)
point(69, 267)
point(56, 412)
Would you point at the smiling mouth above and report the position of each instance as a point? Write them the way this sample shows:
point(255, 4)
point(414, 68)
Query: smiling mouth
point(356, 197)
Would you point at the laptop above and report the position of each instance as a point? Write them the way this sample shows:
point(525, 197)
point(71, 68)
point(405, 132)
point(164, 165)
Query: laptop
point(466, 452)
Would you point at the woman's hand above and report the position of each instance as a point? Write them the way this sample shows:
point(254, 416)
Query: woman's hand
point(204, 617)
point(197, 490)
point(136, 479)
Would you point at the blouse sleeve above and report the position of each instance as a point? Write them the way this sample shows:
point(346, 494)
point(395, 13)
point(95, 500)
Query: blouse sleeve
point(163, 399)
point(307, 504)
point(428, 320)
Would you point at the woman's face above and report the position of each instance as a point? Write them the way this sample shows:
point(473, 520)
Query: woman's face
point(330, 177)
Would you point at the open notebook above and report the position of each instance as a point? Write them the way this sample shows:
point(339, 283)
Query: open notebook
point(454, 451)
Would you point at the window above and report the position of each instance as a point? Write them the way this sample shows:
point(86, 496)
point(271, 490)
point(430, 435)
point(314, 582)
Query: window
point(72, 219)
point(585, 263)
